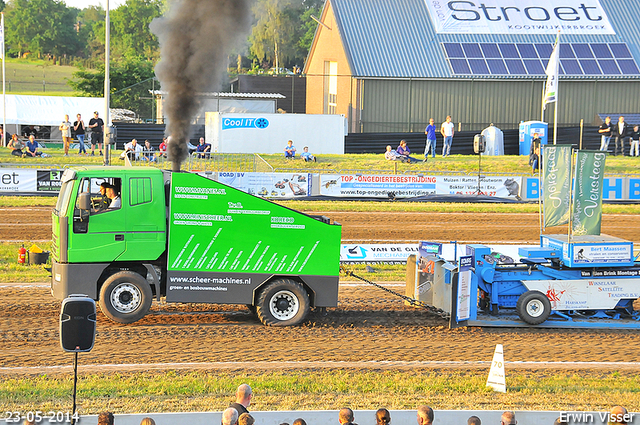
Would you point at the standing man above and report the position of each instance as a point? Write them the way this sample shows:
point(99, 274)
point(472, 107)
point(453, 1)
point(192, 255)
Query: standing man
point(78, 127)
point(97, 128)
point(243, 399)
point(447, 132)
point(620, 130)
point(430, 131)
point(65, 129)
point(605, 131)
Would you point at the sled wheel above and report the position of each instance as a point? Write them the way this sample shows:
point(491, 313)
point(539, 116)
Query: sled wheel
point(533, 307)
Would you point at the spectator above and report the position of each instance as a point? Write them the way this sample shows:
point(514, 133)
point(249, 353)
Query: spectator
point(383, 417)
point(559, 421)
point(148, 152)
point(148, 421)
point(105, 418)
point(132, 150)
point(65, 129)
point(403, 152)
point(245, 419)
point(97, 128)
point(447, 131)
point(474, 420)
point(425, 415)
point(430, 131)
point(299, 421)
point(290, 150)
point(203, 149)
point(230, 416)
point(508, 418)
point(243, 398)
point(534, 160)
point(162, 149)
point(345, 416)
point(78, 127)
point(16, 145)
point(635, 138)
point(114, 197)
point(390, 154)
point(619, 415)
point(605, 131)
point(621, 131)
point(32, 147)
point(306, 156)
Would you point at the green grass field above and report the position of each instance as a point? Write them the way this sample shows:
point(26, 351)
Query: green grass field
point(38, 77)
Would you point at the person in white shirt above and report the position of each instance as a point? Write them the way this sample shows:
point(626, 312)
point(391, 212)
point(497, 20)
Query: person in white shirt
point(446, 129)
point(115, 198)
point(133, 150)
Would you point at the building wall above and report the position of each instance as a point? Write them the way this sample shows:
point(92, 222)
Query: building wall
point(328, 46)
point(400, 105)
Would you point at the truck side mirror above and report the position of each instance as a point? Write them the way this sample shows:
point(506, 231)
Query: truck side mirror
point(84, 201)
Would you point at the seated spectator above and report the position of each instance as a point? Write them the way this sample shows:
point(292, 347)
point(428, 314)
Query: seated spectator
point(105, 418)
point(383, 417)
point(246, 419)
point(203, 149)
point(148, 421)
point(345, 416)
point(508, 418)
point(559, 421)
point(425, 415)
point(162, 149)
point(230, 416)
point(132, 150)
point(306, 156)
point(299, 421)
point(16, 145)
point(474, 420)
point(619, 415)
point(32, 147)
point(390, 154)
point(148, 152)
point(290, 150)
point(403, 152)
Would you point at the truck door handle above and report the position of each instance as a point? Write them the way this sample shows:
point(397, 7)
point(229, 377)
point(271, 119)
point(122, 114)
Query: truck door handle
point(119, 237)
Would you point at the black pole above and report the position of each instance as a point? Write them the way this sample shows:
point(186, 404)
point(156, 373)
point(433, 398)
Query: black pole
point(75, 383)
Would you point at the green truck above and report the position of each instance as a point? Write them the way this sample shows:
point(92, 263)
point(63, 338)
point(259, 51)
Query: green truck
point(190, 239)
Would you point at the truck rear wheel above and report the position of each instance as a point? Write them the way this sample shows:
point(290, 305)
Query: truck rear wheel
point(283, 302)
point(533, 307)
point(125, 297)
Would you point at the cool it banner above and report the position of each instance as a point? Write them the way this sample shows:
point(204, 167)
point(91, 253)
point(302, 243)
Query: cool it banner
point(519, 17)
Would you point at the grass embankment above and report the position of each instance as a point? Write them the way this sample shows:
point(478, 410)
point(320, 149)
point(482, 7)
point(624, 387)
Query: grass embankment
point(176, 391)
point(38, 77)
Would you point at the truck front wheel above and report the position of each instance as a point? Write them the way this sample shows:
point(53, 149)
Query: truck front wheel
point(125, 297)
point(283, 302)
point(533, 307)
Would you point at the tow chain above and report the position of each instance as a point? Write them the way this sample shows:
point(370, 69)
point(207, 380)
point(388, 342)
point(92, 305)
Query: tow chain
point(434, 311)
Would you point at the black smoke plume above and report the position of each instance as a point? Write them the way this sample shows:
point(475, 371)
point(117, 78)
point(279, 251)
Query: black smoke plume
point(195, 38)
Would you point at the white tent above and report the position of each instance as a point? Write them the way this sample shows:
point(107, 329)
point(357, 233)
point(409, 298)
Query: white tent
point(49, 110)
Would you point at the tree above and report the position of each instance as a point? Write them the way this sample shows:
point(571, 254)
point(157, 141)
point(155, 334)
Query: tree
point(40, 27)
point(131, 37)
point(130, 81)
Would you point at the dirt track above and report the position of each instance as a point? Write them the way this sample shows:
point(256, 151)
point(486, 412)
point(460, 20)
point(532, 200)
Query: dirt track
point(368, 325)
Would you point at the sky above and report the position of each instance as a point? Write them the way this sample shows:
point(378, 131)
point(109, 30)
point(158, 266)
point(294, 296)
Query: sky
point(81, 4)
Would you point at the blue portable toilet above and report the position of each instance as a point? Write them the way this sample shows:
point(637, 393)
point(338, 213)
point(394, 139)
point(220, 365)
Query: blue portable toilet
point(527, 131)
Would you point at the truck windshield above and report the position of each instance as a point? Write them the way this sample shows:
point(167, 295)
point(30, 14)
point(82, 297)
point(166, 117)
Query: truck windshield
point(63, 198)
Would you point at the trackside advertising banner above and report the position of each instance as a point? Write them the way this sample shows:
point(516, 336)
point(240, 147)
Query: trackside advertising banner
point(376, 253)
point(29, 180)
point(556, 184)
point(587, 197)
point(352, 185)
point(519, 17)
point(269, 185)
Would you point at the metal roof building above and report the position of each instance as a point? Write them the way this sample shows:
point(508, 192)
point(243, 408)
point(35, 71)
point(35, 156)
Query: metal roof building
point(390, 65)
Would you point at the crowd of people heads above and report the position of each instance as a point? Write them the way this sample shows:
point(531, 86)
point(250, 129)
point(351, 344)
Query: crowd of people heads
point(231, 415)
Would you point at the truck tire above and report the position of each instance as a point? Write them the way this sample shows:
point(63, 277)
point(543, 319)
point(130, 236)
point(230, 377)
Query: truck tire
point(283, 302)
point(125, 297)
point(533, 307)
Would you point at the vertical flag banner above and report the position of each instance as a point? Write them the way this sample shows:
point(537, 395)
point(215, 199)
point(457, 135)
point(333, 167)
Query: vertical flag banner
point(551, 89)
point(556, 185)
point(587, 198)
point(2, 37)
